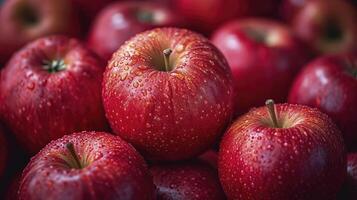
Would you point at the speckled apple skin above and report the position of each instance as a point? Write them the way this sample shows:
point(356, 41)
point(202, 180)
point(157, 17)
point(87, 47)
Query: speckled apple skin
point(3, 152)
point(39, 106)
point(306, 161)
point(326, 84)
point(186, 181)
point(168, 115)
point(116, 171)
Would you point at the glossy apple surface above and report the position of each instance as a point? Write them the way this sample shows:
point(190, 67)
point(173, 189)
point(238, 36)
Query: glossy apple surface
point(107, 168)
point(330, 84)
point(264, 57)
point(326, 26)
point(174, 111)
point(302, 158)
point(120, 21)
point(191, 181)
point(50, 88)
point(22, 21)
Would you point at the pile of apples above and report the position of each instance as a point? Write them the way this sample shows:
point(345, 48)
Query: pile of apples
point(178, 99)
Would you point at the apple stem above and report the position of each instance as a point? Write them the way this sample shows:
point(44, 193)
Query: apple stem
point(271, 109)
point(167, 53)
point(72, 151)
point(54, 65)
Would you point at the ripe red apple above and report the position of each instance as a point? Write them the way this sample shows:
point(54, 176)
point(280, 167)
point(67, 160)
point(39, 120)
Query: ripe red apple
point(327, 26)
point(190, 180)
point(50, 88)
point(122, 20)
point(205, 16)
point(282, 152)
point(330, 84)
point(22, 21)
point(3, 153)
point(264, 57)
point(87, 165)
point(168, 91)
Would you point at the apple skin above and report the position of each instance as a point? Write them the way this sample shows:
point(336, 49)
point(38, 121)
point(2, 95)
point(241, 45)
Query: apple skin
point(168, 115)
point(261, 69)
point(112, 169)
point(39, 106)
point(3, 152)
point(305, 160)
point(122, 20)
point(191, 180)
point(48, 17)
point(326, 83)
point(328, 27)
point(205, 16)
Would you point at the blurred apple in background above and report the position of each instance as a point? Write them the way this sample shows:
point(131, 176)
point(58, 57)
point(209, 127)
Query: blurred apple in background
point(282, 152)
point(207, 15)
point(87, 165)
point(327, 26)
point(50, 88)
point(168, 91)
point(122, 20)
point(264, 57)
point(330, 84)
point(22, 21)
point(191, 180)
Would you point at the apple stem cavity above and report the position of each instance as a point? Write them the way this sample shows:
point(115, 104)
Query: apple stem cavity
point(54, 65)
point(167, 53)
point(72, 151)
point(271, 109)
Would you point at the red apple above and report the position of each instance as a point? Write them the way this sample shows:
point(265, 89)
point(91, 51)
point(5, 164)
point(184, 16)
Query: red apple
point(50, 88)
point(264, 57)
point(170, 107)
point(122, 20)
point(87, 165)
point(189, 181)
point(22, 21)
point(3, 153)
point(327, 26)
point(205, 16)
point(330, 84)
point(284, 152)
